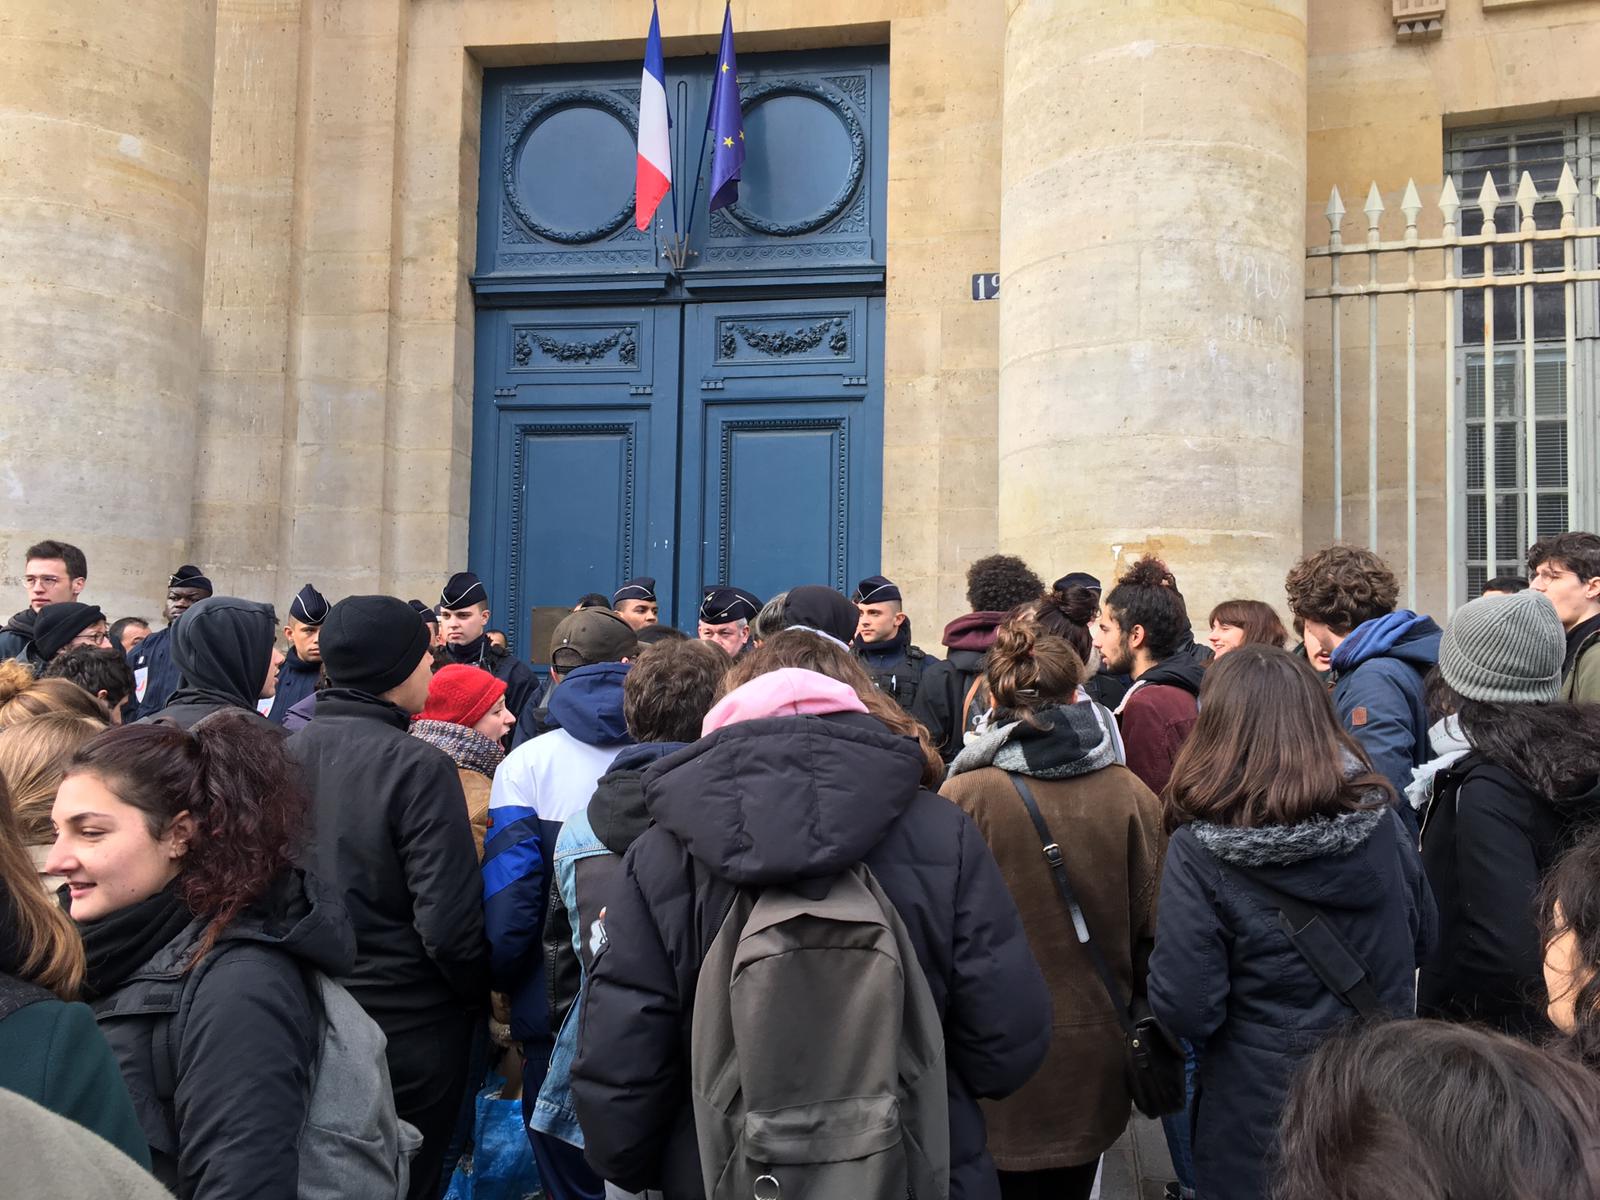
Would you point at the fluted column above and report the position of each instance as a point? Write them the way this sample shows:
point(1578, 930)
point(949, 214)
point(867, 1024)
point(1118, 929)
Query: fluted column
point(105, 113)
point(1151, 259)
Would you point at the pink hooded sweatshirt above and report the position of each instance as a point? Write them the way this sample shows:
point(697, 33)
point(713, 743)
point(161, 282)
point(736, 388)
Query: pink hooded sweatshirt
point(786, 692)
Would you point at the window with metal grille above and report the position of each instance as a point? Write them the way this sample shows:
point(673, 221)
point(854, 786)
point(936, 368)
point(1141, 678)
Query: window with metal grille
point(1497, 463)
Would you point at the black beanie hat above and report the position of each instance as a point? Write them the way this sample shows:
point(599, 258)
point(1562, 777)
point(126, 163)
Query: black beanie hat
point(822, 609)
point(372, 643)
point(57, 624)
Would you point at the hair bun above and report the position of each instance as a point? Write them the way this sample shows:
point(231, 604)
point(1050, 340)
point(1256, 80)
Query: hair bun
point(1148, 572)
point(15, 678)
point(1077, 604)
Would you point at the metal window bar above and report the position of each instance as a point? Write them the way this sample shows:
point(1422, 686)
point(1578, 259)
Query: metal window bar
point(1541, 500)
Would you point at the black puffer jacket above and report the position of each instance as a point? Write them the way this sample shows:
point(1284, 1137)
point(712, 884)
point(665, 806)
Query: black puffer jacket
point(392, 836)
point(245, 1047)
point(1488, 840)
point(222, 648)
point(774, 800)
point(1225, 976)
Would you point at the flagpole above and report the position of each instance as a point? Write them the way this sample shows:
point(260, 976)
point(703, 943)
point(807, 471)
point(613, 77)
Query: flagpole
point(705, 137)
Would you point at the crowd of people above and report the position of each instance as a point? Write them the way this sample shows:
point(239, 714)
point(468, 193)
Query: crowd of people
point(788, 906)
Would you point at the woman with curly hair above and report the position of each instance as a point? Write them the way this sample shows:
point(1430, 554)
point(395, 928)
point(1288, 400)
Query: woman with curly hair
point(177, 851)
point(1569, 925)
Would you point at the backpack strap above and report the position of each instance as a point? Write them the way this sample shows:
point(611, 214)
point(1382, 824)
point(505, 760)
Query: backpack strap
point(1342, 971)
point(966, 704)
point(17, 994)
point(1080, 925)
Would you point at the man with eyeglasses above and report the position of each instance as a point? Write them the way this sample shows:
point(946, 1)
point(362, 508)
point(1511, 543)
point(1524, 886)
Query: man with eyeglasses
point(1566, 568)
point(60, 627)
point(53, 573)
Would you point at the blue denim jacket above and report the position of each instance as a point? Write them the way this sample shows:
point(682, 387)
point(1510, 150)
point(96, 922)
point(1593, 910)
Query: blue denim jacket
point(552, 1110)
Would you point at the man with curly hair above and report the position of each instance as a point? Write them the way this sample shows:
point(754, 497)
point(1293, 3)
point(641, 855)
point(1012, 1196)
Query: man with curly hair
point(995, 585)
point(1379, 655)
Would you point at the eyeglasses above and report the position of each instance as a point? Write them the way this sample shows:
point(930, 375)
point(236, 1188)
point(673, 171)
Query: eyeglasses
point(87, 638)
point(48, 581)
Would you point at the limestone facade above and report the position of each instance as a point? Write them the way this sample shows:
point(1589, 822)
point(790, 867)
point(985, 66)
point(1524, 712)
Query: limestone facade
point(279, 385)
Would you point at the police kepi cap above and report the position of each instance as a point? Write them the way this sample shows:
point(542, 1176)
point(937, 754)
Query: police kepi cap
point(875, 589)
point(190, 576)
point(425, 611)
point(1074, 579)
point(589, 636)
point(463, 590)
point(642, 588)
point(724, 605)
point(308, 606)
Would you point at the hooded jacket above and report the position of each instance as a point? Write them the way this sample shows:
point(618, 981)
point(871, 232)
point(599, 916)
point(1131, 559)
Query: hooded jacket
point(1488, 841)
point(296, 680)
point(539, 786)
point(245, 1046)
point(391, 836)
point(1225, 976)
point(1108, 826)
point(222, 648)
point(942, 692)
point(522, 685)
point(155, 675)
point(1158, 712)
point(1378, 672)
point(16, 635)
point(775, 800)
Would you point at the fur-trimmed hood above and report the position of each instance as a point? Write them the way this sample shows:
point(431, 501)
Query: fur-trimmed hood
point(1282, 845)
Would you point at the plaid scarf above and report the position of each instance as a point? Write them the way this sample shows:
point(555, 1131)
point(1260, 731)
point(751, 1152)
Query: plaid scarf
point(467, 748)
point(1068, 740)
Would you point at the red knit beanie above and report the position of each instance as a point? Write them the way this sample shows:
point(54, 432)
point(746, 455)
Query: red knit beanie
point(461, 694)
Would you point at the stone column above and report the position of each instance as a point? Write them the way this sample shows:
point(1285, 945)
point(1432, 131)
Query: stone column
point(1151, 257)
point(105, 112)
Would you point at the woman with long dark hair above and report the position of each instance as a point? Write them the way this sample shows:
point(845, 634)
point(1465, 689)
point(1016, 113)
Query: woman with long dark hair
point(1498, 817)
point(1277, 820)
point(50, 1050)
point(1569, 926)
point(1047, 1139)
point(177, 851)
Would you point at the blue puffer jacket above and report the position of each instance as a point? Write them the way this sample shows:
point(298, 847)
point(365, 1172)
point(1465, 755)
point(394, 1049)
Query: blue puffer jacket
point(1378, 674)
point(774, 800)
point(1225, 976)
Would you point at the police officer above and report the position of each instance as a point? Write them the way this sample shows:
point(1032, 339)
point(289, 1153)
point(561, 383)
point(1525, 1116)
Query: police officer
point(635, 602)
point(464, 623)
point(155, 677)
point(883, 640)
point(302, 667)
point(725, 616)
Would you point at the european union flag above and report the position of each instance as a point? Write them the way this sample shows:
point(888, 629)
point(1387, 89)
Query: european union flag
point(726, 122)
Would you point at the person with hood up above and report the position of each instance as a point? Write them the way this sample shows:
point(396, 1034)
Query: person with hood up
point(1047, 1139)
point(176, 849)
point(1271, 803)
point(466, 717)
point(301, 672)
point(1379, 656)
point(1499, 816)
point(883, 641)
point(391, 836)
point(995, 585)
point(227, 656)
point(1143, 631)
point(665, 699)
point(541, 785)
point(155, 675)
point(803, 771)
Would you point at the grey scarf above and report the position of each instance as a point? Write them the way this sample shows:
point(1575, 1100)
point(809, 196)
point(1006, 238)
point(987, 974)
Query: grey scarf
point(1060, 742)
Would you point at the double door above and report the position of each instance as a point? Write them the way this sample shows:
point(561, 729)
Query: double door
point(736, 442)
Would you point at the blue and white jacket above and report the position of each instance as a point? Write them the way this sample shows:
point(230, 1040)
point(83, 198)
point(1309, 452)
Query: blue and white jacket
point(536, 789)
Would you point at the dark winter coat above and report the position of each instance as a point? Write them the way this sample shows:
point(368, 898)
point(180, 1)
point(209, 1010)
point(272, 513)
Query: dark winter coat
point(153, 656)
point(775, 800)
point(1226, 977)
point(1157, 714)
point(390, 833)
point(522, 684)
point(16, 635)
point(245, 1057)
point(942, 694)
point(1580, 682)
point(222, 648)
point(896, 666)
point(1108, 825)
point(296, 681)
point(1378, 672)
point(1488, 841)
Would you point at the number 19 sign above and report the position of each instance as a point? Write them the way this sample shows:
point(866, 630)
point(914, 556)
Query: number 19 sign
point(986, 287)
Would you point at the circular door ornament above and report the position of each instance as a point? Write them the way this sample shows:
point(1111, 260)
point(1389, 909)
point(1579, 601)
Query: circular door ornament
point(853, 143)
point(567, 107)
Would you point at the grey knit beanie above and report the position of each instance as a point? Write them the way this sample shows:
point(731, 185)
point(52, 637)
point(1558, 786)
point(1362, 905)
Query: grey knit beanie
point(1506, 649)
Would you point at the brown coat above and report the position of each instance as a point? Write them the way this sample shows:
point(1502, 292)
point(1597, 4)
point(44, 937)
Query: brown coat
point(1108, 825)
point(476, 787)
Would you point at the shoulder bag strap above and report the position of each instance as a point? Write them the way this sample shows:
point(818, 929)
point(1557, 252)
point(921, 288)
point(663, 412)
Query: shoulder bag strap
point(1058, 872)
point(1343, 971)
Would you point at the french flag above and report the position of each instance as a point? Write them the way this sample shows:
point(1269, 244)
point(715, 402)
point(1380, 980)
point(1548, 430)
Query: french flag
point(655, 156)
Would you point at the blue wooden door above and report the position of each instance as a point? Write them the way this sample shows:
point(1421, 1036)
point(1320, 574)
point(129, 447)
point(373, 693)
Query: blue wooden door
point(583, 426)
point(782, 435)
